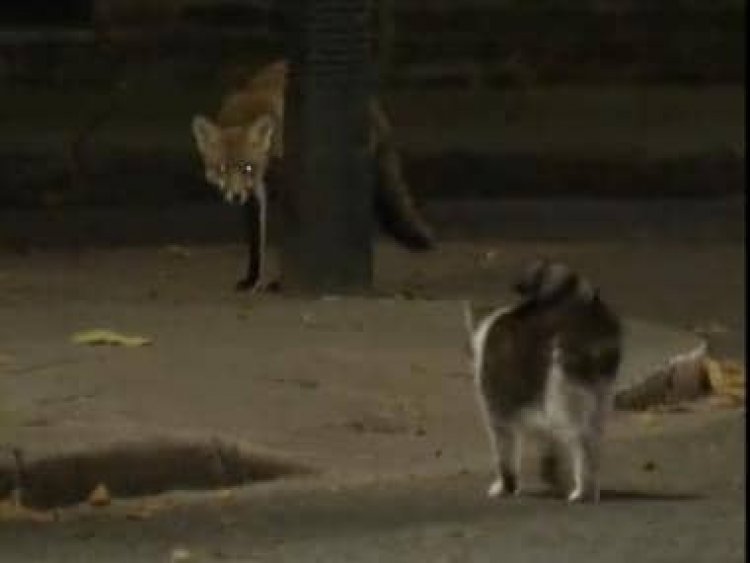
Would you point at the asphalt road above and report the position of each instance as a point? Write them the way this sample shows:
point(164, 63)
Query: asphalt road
point(674, 493)
point(674, 488)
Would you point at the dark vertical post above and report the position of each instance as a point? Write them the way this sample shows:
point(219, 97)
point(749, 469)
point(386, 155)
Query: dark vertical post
point(327, 240)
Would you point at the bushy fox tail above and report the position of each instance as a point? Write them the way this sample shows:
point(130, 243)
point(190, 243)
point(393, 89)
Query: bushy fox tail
point(398, 215)
point(394, 206)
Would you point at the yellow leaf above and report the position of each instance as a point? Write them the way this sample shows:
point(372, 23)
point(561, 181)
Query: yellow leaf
point(100, 496)
point(180, 554)
point(145, 509)
point(224, 494)
point(726, 378)
point(103, 336)
point(649, 419)
point(177, 250)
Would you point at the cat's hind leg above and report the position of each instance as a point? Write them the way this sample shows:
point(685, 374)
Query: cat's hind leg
point(507, 457)
point(584, 462)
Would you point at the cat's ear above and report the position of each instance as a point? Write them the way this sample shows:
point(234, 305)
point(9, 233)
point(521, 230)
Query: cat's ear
point(544, 281)
point(556, 280)
point(528, 282)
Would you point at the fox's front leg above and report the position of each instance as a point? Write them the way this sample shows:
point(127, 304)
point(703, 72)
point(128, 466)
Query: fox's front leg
point(255, 233)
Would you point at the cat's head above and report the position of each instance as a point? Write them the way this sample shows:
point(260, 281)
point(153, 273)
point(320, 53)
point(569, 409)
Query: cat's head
point(545, 281)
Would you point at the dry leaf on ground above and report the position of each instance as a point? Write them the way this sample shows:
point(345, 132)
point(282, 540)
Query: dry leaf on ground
point(177, 250)
point(145, 509)
point(100, 496)
point(103, 336)
point(180, 554)
point(726, 378)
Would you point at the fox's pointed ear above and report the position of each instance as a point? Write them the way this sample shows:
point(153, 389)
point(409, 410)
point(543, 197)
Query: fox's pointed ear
point(260, 132)
point(207, 134)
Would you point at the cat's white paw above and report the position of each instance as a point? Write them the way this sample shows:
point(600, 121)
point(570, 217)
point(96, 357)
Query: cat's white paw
point(498, 488)
point(581, 495)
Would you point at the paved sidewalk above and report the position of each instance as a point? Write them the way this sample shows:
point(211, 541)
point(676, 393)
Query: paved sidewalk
point(354, 388)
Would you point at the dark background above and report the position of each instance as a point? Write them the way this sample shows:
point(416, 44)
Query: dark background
point(626, 98)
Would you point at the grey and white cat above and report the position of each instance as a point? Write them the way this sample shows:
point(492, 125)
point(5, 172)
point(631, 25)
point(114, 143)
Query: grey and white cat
point(546, 366)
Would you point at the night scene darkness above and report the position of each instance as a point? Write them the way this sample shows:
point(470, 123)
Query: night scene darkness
point(372, 281)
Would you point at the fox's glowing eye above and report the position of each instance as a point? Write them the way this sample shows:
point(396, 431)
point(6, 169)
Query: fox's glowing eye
point(247, 169)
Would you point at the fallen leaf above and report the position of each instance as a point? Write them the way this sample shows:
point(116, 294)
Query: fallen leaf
point(100, 496)
point(180, 554)
point(177, 250)
point(648, 419)
point(726, 378)
point(103, 336)
point(726, 401)
point(139, 513)
point(487, 258)
point(145, 509)
point(224, 494)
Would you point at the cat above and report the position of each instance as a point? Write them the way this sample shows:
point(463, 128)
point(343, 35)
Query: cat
point(546, 365)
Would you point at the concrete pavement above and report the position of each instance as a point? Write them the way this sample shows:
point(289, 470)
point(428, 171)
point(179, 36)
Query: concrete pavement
point(349, 388)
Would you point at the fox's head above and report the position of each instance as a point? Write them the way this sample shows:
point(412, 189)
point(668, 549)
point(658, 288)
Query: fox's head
point(235, 157)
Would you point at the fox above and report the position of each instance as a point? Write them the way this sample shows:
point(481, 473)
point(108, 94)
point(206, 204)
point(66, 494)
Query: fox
point(241, 147)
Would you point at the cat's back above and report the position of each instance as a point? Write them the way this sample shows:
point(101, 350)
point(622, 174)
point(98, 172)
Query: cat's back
point(590, 342)
point(514, 358)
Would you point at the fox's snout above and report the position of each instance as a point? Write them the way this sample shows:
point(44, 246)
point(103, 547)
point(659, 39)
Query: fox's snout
point(236, 189)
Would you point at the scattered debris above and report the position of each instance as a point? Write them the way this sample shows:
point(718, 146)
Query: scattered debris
point(180, 554)
point(177, 251)
point(726, 379)
point(107, 337)
point(100, 496)
point(648, 419)
point(145, 509)
point(687, 377)
point(487, 258)
point(308, 319)
point(376, 424)
point(224, 494)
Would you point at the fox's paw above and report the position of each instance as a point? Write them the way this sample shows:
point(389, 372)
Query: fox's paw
point(249, 285)
point(256, 286)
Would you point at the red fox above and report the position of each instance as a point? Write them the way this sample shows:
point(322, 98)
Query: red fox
point(247, 137)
